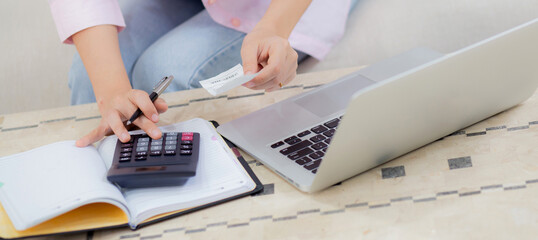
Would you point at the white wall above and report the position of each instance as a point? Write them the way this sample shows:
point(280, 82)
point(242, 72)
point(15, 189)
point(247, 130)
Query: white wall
point(33, 62)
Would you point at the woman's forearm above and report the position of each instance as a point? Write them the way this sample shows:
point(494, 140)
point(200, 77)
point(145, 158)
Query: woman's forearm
point(283, 15)
point(99, 50)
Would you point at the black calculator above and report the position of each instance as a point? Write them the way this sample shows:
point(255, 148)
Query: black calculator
point(146, 162)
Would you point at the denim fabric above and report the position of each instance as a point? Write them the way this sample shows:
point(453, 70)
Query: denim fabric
point(167, 38)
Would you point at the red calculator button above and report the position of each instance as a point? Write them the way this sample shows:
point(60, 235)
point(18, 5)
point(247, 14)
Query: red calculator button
point(187, 134)
point(186, 138)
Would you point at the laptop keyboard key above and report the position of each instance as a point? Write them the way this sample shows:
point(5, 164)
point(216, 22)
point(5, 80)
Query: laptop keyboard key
point(317, 138)
point(303, 161)
point(304, 133)
point(328, 141)
point(319, 129)
point(319, 146)
point(296, 147)
point(301, 153)
point(329, 133)
point(278, 144)
point(315, 171)
point(312, 165)
point(316, 155)
point(333, 123)
point(293, 141)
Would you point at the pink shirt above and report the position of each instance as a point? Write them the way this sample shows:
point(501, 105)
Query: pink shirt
point(321, 26)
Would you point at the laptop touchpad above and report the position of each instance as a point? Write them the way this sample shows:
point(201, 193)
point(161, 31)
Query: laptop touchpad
point(333, 98)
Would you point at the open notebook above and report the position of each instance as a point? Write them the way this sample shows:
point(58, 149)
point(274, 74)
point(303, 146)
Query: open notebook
point(60, 188)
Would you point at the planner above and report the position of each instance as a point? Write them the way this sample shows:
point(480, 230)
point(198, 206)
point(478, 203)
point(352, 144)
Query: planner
point(60, 188)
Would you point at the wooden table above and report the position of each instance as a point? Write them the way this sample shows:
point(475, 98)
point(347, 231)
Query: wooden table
point(478, 183)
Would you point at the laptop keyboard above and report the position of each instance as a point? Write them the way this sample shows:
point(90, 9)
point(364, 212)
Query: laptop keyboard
point(308, 147)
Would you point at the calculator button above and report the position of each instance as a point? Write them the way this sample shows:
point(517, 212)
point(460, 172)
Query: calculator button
point(126, 150)
point(169, 152)
point(125, 145)
point(185, 152)
point(170, 142)
point(144, 153)
point(125, 154)
point(185, 147)
point(186, 138)
point(140, 158)
point(155, 153)
point(146, 139)
point(156, 148)
point(141, 149)
point(187, 134)
point(172, 138)
point(141, 144)
point(157, 142)
point(170, 147)
point(125, 159)
point(187, 142)
point(171, 134)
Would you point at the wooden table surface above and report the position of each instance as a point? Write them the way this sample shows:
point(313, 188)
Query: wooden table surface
point(480, 182)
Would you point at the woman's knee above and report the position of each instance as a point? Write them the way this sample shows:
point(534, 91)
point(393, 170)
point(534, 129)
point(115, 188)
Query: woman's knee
point(149, 69)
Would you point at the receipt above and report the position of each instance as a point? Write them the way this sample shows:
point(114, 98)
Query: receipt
point(227, 80)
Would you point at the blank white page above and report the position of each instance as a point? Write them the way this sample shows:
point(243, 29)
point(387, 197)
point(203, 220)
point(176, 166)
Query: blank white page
point(53, 179)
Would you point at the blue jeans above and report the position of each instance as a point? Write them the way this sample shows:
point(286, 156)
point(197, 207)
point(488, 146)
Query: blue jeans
point(167, 38)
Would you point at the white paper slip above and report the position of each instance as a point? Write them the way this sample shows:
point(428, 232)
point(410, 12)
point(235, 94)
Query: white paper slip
point(227, 80)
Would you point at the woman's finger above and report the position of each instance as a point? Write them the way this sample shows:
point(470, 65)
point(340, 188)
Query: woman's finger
point(148, 126)
point(95, 135)
point(116, 125)
point(249, 57)
point(161, 105)
point(275, 62)
point(141, 99)
point(276, 86)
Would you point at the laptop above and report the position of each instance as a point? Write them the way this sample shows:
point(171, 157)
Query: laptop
point(338, 130)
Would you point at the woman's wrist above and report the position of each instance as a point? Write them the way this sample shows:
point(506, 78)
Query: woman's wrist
point(282, 16)
point(98, 47)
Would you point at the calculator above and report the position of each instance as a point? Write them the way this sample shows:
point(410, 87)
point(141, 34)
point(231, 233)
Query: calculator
point(146, 162)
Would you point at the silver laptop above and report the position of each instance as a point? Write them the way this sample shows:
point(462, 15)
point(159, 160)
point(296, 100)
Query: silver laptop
point(334, 132)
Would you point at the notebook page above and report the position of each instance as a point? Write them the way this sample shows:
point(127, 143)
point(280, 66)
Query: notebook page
point(51, 180)
point(219, 175)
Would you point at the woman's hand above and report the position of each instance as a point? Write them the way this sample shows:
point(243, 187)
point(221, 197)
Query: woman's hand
point(263, 50)
point(119, 108)
point(266, 48)
point(117, 101)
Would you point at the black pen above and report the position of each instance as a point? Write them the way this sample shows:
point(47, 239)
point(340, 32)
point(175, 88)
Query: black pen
point(157, 90)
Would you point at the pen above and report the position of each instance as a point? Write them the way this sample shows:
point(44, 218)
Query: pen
point(157, 90)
